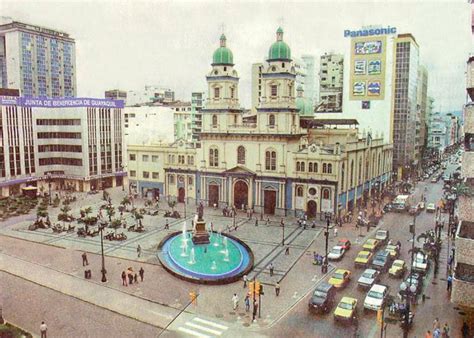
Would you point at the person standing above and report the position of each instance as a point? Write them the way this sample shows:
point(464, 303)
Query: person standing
point(287, 250)
point(271, 269)
point(235, 301)
point(450, 283)
point(256, 222)
point(43, 329)
point(245, 281)
point(84, 259)
point(247, 303)
point(124, 279)
point(436, 324)
point(445, 331)
point(142, 273)
point(135, 278)
point(167, 225)
point(335, 232)
point(428, 334)
point(139, 250)
point(277, 289)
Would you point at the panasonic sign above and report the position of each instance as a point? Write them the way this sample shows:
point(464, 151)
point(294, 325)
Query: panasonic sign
point(369, 32)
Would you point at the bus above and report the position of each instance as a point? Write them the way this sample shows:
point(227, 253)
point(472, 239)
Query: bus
point(401, 203)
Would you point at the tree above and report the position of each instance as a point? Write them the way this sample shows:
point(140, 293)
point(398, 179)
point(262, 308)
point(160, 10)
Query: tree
point(41, 212)
point(115, 224)
point(463, 189)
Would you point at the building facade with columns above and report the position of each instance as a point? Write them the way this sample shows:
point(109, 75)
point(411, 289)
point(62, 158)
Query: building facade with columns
point(276, 161)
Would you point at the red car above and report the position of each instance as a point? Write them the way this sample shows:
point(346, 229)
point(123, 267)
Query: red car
point(345, 243)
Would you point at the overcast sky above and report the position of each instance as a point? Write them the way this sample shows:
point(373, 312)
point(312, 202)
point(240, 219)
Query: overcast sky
point(128, 44)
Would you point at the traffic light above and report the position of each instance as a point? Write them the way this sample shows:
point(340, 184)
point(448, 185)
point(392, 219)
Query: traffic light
point(257, 287)
point(251, 288)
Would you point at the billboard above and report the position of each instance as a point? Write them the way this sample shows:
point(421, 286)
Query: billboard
point(368, 47)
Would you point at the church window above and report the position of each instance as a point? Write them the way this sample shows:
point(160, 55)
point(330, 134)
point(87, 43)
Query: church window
point(271, 120)
point(214, 120)
point(171, 179)
point(329, 168)
point(241, 155)
point(298, 166)
point(270, 160)
point(232, 92)
point(190, 180)
point(217, 92)
point(213, 157)
point(283, 65)
point(310, 167)
point(299, 191)
point(302, 166)
point(315, 167)
point(325, 168)
point(225, 69)
point(235, 119)
point(293, 120)
point(326, 194)
point(274, 90)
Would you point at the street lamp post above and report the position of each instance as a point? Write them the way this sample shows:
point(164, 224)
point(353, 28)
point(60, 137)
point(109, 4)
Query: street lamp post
point(283, 234)
point(325, 263)
point(410, 289)
point(49, 186)
point(104, 272)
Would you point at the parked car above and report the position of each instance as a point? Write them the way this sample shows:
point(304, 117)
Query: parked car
point(322, 299)
point(414, 210)
point(430, 207)
point(340, 278)
point(381, 260)
point(346, 310)
point(420, 263)
point(368, 278)
point(336, 253)
point(376, 297)
point(382, 235)
point(421, 205)
point(371, 244)
point(344, 243)
point(398, 268)
point(363, 258)
point(434, 179)
point(393, 250)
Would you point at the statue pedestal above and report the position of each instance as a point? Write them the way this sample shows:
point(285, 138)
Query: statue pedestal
point(200, 235)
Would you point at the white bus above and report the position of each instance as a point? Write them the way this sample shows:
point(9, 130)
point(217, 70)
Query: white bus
point(401, 203)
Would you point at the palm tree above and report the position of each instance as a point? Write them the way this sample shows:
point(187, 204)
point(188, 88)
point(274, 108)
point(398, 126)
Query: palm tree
point(125, 201)
point(110, 211)
point(463, 189)
point(137, 216)
point(115, 224)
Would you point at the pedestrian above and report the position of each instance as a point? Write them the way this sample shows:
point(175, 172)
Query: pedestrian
point(335, 232)
point(287, 250)
point(135, 278)
point(450, 283)
point(277, 289)
point(235, 301)
point(43, 329)
point(271, 269)
point(282, 224)
point(247, 303)
point(436, 324)
point(465, 330)
point(142, 273)
point(139, 250)
point(268, 220)
point(130, 278)
point(124, 278)
point(437, 333)
point(304, 225)
point(428, 334)
point(245, 281)
point(256, 222)
point(167, 225)
point(313, 225)
point(84, 259)
point(445, 331)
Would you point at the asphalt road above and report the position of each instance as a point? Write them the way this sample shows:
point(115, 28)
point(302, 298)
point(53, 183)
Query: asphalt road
point(299, 322)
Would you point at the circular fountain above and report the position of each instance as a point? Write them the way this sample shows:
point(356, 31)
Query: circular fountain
point(224, 259)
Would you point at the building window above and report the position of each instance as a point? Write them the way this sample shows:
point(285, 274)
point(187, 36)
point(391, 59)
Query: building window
point(326, 194)
point(217, 92)
point(298, 166)
point(270, 160)
point(329, 168)
point(315, 167)
point(325, 168)
point(312, 191)
point(299, 191)
point(154, 158)
point(145, 158)
point(171, 179)
point(274, 90)
point(213, 157)
point(155, 175)
point(235, 119)
point(232, 92)
point(241, 155)
point(271, 120)
point(146, 174)
point(133, 173)
point(190, 160)
point(310, 167)
point(190, 180)
point(214, 120)
point(302, 166)
point(180, 159)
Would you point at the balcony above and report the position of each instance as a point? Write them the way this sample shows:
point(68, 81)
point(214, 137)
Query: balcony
point(465, 243)
point(467, 166)
point(463, 285)
point(469, 118)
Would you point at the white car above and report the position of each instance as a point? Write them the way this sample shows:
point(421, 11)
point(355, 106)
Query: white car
point(336, 253)
point(420, 263)
point(375, 297)
point(430, 207)
point(368, 278)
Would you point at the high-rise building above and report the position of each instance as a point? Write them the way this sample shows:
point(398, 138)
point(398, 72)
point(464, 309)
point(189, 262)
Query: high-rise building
point(116, 94)
point(311, 82)
point(197, 104)
point(422, 107)
point(405, 100)
point(331, 72)
point(40, 62)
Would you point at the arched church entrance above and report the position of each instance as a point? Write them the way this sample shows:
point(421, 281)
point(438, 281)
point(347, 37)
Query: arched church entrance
point(241, 194)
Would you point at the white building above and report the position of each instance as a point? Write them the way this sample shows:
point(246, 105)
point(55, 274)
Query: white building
point(73, 143)
point(149, 95)
point(40, 62)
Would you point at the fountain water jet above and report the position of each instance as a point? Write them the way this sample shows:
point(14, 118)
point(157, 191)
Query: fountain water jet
point(214, 265)
point(192, 259)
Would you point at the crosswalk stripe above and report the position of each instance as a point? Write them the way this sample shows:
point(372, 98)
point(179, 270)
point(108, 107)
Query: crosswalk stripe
point(203, 321)
point(203, 328)
point(192, 332)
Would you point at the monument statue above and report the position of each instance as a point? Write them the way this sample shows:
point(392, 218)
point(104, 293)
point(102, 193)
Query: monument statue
point(200, 211)
point(200, 234)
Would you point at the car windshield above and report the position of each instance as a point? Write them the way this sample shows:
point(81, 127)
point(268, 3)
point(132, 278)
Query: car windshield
point(339, 275)
point(370, 241)
point(381, 233)
point(363, 255)
point(368, 274)
point(319, 294)
point(336, 250)
point(398, 264)
point(345, 306)
point(420, 259)
point(375, 294)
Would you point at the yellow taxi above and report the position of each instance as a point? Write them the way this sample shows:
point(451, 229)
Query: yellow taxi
point(393, 250)
point(363, 258)
point(398, 268)
point(346, 310)
point(340, 278)
point(371, 244)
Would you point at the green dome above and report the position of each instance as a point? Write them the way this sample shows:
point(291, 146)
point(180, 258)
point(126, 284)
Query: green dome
point(304, 106)
point(223, 55)
point(279, 50)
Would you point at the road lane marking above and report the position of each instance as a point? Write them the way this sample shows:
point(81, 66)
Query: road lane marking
point(192, 332)
point(219, 326)
point(203, 328)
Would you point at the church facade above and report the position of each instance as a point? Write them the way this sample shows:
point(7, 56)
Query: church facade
point(278, 161)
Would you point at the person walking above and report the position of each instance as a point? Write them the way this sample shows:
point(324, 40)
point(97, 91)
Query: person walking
point(277, 289)
point(247, 303)
point(287, 250)
point(428, 334)
point(335, 232)
point(139, 250)
point(245, 281)
point(135, 278)
point(445, 333)
point(142, 273)
point(167, 225)
point(124, 279)
point(235, 301)
point(84, 259)
point(270, 267)
point(465, 330)
point(437, 333)
point(256, 222)
point(43, 329)
point(449, 282)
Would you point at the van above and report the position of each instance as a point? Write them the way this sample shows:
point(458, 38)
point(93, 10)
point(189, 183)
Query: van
point(401, 203)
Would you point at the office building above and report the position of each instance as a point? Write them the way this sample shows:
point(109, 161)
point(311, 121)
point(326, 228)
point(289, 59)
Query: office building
point(331, 78)
point(75, 144)
point(40, 62)
point(150, 95)
point(116, 94)
point(312, 80)
point(197, 104)
point(422, 108)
